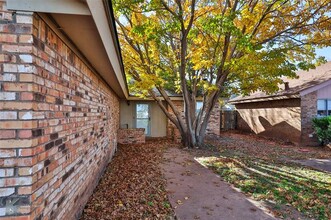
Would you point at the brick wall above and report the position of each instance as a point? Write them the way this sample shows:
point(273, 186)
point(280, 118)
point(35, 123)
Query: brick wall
point(131, 136)
point(279, 119)
point(172, 131)
point(309, 111)
point(214, 124)
point(58, 122)
point(212, 128)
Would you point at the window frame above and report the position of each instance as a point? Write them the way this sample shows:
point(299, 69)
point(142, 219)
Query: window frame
point(326, 111)
point(197, 111)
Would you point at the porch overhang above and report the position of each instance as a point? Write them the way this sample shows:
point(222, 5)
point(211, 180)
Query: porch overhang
point(87, 27)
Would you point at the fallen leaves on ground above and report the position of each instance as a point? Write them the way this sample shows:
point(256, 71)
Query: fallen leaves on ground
point(132, 186)
point(264, 148)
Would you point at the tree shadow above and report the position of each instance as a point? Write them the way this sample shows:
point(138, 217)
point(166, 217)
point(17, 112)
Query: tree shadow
point(264, 180)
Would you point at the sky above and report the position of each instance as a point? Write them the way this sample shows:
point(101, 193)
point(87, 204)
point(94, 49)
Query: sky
point(326, 52)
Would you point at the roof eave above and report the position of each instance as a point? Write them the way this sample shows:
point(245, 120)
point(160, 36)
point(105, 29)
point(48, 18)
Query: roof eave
point(268, 98)
point(101, 13)
point(315, 88)
point(104, 17)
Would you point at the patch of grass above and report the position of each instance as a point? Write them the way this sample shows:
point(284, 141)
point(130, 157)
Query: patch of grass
point(166, 205)
point(308, 190)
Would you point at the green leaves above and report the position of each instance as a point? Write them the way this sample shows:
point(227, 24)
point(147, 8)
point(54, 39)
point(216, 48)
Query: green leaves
point(322, 128)
point(212, 47)
point(255, 44)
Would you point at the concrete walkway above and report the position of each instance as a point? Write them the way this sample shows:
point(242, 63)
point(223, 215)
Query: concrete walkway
point(197, 193)
point(320, 164)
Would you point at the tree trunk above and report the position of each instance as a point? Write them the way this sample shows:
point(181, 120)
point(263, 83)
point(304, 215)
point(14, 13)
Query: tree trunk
point(188, 140)
point(192, 140)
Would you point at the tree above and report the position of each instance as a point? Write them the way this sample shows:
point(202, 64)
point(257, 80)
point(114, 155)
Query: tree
point(212, 47)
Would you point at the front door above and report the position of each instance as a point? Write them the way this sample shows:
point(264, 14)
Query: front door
point(143, 117)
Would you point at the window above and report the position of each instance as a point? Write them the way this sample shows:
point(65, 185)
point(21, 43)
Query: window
point(143, 117)
point(323, 107)
point(198, 107)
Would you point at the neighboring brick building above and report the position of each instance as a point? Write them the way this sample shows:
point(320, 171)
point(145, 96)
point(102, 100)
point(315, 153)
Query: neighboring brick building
point(156, 123)
point(212, 128)
point(288, 114)
point(60, 86)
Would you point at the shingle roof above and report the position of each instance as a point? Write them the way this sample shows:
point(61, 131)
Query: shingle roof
point(306, 80)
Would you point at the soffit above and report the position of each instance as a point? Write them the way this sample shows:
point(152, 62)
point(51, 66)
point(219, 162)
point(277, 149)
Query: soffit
point(81, 30)
point(78, 22)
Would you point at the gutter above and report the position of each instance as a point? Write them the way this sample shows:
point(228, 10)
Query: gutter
point(111, 20)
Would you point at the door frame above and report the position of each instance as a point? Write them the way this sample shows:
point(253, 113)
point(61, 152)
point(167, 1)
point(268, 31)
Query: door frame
point(149, 116)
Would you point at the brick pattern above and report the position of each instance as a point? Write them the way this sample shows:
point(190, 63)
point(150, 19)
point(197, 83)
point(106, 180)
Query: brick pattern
point(309, 111)
point(172, 132)
point(131, 136)
point(58, 122)
point(214, 124)
point(17, 158)
point(212, 128)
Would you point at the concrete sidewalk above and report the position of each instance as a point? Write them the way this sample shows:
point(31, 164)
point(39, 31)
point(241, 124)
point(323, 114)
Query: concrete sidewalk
point(197, 193)
point(320, 164)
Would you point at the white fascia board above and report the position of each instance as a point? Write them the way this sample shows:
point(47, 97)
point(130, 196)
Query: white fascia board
point(76, 7)
point(315, 88)
point(271, 98)
point(99, 15)
point(136, 98)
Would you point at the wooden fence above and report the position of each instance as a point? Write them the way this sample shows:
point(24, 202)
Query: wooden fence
point(228, 119)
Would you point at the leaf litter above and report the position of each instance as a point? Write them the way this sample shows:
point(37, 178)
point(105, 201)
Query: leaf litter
point(132, 186)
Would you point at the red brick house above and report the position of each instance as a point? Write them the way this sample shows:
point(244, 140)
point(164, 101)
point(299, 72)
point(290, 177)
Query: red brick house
point(287, 114)
point(63, 98)
point(61, 85)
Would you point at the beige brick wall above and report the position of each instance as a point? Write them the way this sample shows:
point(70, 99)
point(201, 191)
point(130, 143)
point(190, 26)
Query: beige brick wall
point(276, 119)
point(58, 122)
point(309, 111)
point(212, 128)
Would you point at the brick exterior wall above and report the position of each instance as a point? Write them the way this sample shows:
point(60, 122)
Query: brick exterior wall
point(279, 119)
point(131, 136)
point(58, 122)
point(214, 124)
point(172, 132)
point(309, 111)
point(212, 128)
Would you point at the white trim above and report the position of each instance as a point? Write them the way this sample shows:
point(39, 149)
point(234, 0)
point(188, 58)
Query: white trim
point(173, 98)
point(76, 7)
point(234, 102)
point(135, 98)
point(315, 88)
point(100, 18)
point(149, 131)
